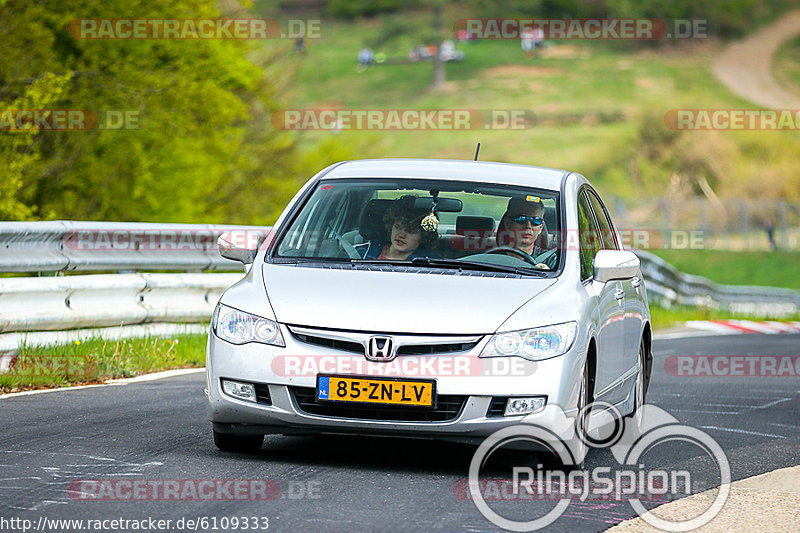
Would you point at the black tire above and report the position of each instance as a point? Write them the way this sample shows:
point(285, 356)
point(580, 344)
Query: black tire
point(229, 442)
point(640, 392)
point(580, 440)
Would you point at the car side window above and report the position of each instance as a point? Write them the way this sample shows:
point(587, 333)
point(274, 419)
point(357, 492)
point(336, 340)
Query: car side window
point(604, 223)
point(590, 240)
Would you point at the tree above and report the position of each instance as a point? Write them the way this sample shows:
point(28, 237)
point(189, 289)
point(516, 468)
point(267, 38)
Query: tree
point(202, 150)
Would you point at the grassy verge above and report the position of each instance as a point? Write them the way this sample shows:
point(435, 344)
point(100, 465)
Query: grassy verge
point(96, 360)
point(786, 65)
point(662, 318)
point(775, 269)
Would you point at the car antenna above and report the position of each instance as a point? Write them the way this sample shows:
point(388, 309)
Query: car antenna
point(478, 149)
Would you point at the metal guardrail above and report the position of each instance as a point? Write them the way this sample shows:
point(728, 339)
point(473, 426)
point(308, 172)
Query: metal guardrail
point(69, 302)
point(670, 286)
point(66, 245)
point(36, 310)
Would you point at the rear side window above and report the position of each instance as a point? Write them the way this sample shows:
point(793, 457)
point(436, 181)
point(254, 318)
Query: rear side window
point(589, 237)
point(604, 222)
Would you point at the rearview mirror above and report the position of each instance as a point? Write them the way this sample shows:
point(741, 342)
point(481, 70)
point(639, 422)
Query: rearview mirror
point(239, 245)
point(615, 264)
point(443, 205)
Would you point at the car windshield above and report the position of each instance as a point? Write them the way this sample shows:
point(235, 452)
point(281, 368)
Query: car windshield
point(439, 223)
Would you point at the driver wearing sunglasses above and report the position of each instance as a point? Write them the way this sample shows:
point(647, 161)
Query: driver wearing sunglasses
point(521, 225)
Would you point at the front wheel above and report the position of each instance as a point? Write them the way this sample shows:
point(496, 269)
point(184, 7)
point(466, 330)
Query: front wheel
point(636, 417)
point(579, 445)
point(229, 442)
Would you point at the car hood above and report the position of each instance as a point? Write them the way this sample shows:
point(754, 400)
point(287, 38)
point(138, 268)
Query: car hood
point(395, 301)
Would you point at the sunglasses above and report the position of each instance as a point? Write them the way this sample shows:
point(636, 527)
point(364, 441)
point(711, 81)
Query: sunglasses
point(522, 219)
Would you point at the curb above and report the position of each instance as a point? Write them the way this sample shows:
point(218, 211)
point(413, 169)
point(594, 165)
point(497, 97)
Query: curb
point(767, 502)
point(112, 382)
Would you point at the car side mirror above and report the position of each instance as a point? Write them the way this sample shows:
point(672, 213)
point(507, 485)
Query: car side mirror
point(615, 264)
point(237, 246)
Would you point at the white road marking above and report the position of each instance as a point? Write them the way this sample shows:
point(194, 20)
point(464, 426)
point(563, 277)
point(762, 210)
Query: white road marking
point(744, 432)
point(770, 404)
point(112, 382)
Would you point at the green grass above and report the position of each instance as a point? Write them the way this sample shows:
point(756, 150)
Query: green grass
point(786, 65)
point(576, 78)
point(96, 360)
point(775, 269)
point(662, 318)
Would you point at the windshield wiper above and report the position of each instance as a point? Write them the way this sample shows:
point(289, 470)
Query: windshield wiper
point(470, 265)
point(404, 262)
point(299, 260)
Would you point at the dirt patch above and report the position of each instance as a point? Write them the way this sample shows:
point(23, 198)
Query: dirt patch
point(520, 71)
point(744, 66)
point(566, 51)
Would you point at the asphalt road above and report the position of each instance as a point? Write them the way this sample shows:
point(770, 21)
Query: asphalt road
point(157, 431)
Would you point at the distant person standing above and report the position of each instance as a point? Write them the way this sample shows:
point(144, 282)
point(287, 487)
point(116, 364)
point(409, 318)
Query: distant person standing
point(538, 37)
point(526, 39)
point(366, 57)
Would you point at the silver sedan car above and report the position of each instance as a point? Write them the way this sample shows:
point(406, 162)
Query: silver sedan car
point(431, 299)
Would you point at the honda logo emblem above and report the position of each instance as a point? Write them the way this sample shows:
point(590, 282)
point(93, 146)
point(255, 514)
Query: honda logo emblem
point(380, 349)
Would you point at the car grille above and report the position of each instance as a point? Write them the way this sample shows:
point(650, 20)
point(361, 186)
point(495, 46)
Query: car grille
point(262, 393)
point(447, 408)
point(345, 346)
point(334, 340)
point(430, 349)
point(498, 406)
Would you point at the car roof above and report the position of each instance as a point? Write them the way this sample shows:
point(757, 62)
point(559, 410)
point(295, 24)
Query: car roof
point(451, 169)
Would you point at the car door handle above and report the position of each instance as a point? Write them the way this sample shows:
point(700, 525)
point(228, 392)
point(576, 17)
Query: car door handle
point(619, 294)
point(636, 282)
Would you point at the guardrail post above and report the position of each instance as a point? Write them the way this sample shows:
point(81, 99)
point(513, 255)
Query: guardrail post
point(784, 229)
point(745, 229)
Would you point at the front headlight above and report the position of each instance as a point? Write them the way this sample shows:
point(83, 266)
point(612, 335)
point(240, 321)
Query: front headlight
point(238, 327)
point(533, 344)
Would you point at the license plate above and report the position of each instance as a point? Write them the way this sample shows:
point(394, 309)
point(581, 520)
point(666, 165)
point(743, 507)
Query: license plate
point(380, 391)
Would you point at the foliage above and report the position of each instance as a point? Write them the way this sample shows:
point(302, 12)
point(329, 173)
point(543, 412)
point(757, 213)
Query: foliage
point(740, 164)
point(786, 65)
point(362, 8)
point(203, 149)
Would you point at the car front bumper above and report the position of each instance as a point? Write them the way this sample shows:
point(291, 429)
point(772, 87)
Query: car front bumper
point(557, 379)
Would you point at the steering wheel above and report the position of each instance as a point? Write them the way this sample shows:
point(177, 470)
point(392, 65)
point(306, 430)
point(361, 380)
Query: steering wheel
point(522, 255)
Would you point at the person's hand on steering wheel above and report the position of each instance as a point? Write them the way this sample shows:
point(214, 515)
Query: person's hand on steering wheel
point(522, 255)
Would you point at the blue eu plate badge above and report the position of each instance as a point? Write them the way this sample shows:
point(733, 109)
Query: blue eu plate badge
point(323, 387)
